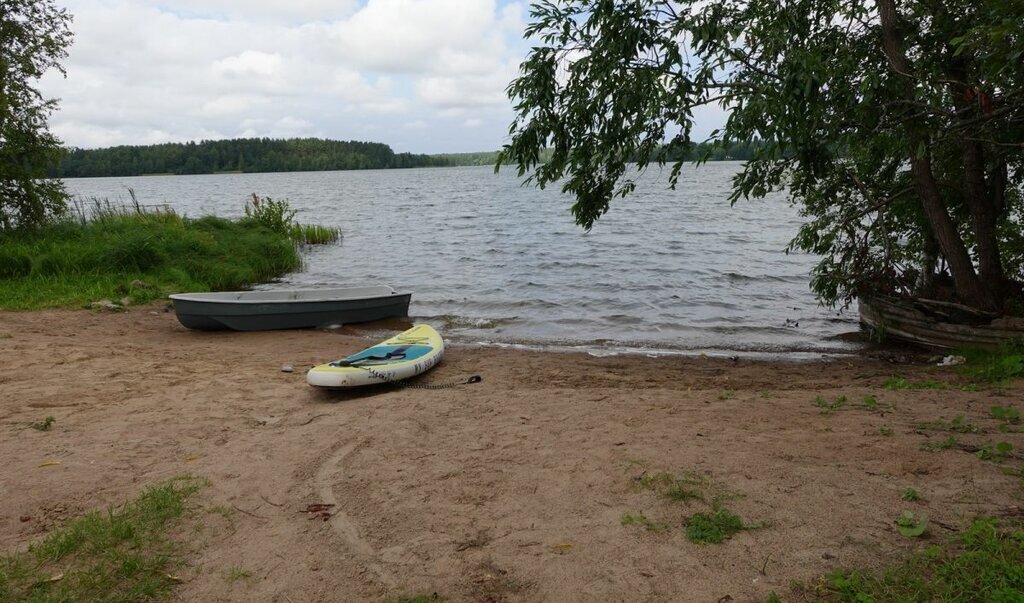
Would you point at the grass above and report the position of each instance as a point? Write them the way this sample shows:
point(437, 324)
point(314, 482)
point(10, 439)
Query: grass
point(896, 383)
point(235, 573)
point(957, 425)
point(984, 563)
point(122, 554)
point(110, 252)
point(946, 444)
point(639, 519)
point(139, 256)
point(999, 366)
point(911, 495)
point(997, 452)
point(43, 425)
point(827, 407)
point(689, 486)
point(713, 527)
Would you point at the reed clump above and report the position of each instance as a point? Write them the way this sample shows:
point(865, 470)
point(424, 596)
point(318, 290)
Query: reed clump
point(277, 215)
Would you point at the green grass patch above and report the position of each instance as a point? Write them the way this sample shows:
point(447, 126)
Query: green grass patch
point(713, 527)
point(984, 563)
point(141, 256)
point(997, 366)
point(122, 554)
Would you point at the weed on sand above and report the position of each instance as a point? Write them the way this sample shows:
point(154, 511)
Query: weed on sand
point(898, 383)
point(984, 563)
point(122, 554)
point(713, 527)
point(639, 519)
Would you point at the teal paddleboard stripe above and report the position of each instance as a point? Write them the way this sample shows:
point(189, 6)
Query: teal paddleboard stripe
point(378, 355)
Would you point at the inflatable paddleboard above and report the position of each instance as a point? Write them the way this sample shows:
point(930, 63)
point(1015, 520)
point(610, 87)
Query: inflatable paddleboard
point(405, 355)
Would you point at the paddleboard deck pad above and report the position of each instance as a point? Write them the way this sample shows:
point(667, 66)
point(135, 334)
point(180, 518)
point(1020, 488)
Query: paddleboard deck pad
point(403, 356)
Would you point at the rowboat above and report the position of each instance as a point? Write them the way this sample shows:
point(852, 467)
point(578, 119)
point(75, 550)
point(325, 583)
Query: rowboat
point(936, 324)
point(288, 308)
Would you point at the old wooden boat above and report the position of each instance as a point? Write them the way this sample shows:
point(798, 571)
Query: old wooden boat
point(288, 308)
point(937, 324)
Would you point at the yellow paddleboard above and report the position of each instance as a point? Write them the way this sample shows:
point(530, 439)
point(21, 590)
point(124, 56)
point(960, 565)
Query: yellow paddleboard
point(405, 355)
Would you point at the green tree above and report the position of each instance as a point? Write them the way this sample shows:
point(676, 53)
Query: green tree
point(34, 36)
point(897, 126)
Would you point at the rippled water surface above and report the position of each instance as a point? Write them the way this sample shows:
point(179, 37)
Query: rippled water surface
point(490, 261)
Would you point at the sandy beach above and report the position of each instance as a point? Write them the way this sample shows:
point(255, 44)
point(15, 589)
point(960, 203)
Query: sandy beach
point(511, 489)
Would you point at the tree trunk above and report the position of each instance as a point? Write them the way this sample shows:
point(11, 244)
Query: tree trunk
point(965, 279)
point(984, 215)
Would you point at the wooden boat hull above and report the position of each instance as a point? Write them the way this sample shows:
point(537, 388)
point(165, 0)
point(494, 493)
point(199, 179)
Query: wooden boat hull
point(294, 309)
point(925, 323)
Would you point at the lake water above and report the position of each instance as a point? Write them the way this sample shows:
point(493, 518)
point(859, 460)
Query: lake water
point(490, 261)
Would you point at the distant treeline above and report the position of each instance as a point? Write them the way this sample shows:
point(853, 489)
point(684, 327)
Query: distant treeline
point(239, 155)
point(292, 155)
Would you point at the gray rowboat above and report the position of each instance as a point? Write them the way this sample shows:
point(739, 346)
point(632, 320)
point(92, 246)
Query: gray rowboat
point(288, 309)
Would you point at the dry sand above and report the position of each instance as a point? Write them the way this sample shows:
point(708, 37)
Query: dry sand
point(512, 489)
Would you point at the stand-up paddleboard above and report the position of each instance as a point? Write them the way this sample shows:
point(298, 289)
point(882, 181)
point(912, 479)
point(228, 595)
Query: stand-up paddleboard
point(405, 355)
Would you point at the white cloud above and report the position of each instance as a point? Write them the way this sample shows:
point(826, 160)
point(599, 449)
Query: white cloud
point(143, 71)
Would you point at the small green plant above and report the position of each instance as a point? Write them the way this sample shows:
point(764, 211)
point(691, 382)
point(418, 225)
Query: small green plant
point(827, 407)
point(43, 425)
point(689, 486)
point(912, 525)
point(1006, 414)
point(276, 215)
point(886, 431)
point(773, 597)
point(713, 527)
point(639, 519)
point(946, 444)
point(958, 425)
point(235, 573)
point(896, 382)
point(871, 402)
point(911, 495)
point(997, 452)
point(728, 394)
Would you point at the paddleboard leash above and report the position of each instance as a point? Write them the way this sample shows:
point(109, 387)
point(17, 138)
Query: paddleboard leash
point(388, 380)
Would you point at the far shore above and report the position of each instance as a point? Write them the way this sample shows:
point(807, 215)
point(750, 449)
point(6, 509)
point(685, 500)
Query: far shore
point(517, 488)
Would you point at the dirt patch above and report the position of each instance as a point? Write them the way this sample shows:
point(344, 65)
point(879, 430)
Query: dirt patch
point(513, 489)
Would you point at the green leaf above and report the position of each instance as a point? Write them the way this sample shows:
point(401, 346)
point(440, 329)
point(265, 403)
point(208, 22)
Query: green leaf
point(911, 525)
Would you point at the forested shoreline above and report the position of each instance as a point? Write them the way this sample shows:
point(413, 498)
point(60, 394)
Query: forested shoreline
point(287, 155)
point(237, 155)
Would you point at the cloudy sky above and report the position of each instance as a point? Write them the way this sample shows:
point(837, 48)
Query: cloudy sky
point(423, 76)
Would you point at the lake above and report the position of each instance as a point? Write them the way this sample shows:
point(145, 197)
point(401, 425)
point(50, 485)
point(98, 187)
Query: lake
point(490, 261)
